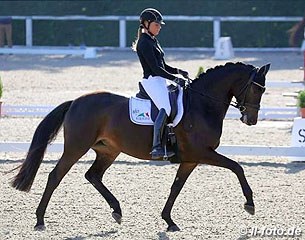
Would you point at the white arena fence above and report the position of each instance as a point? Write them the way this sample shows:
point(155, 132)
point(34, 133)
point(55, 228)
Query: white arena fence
point(265, 113)
point(274, 151)
point(217, 20)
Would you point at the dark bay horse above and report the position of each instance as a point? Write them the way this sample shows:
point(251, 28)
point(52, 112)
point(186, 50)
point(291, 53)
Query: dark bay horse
point(296, 33)
point(100, 121)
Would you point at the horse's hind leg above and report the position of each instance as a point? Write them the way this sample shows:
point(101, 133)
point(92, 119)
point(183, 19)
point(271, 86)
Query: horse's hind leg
point(56, 175)
point(95, 174)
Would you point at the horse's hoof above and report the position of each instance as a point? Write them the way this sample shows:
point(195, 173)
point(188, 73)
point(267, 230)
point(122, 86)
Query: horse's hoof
point(250, 209)
point(117, 217)
point(39, 228)
point(173, 228)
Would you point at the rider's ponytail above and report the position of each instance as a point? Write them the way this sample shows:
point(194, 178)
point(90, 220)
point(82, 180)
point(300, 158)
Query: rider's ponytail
point(134, 44)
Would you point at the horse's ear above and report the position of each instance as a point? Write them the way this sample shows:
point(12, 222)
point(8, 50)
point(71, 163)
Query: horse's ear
point(264, 69)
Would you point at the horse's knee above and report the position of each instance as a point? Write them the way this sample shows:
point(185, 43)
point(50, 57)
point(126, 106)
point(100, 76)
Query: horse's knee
point(236, 168)
point(93, 177)
point(89, 175)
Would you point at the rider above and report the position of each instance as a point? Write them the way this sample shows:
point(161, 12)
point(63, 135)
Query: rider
point(156, 72)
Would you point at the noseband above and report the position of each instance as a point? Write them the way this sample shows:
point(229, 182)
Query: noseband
point(240, 105)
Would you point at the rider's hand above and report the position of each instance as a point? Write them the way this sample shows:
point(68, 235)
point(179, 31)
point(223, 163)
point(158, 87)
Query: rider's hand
point(185, 74)
point(180, 82)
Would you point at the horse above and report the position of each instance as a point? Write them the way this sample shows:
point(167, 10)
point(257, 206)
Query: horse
point(100, 121)
point(296, 33)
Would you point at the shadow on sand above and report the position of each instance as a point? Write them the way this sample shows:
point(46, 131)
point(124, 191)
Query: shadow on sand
point(102, 234)
point(290, 167)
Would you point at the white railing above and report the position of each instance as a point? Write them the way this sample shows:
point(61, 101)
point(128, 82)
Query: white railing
point(123, 19)
point(265, 113)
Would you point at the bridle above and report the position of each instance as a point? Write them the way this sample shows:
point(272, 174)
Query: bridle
point(240, 105)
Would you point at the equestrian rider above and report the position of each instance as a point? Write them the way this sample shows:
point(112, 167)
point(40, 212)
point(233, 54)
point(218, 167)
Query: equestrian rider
point(156, 72)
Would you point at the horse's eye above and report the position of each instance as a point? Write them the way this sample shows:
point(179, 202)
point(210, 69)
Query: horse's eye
point(260, 89)
point(257, 88)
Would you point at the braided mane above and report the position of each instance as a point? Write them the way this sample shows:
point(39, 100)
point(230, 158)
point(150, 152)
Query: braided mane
point(227, 66)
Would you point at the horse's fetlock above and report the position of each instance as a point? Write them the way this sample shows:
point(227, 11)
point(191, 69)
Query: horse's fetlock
point(165, 215)
point(115, 206)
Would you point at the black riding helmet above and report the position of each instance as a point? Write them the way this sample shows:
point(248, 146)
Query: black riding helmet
point(151, 15)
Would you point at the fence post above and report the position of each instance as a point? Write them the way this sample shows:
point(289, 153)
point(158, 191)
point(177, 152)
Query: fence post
point(122, 33)
point(29, 32)
point(216, 31)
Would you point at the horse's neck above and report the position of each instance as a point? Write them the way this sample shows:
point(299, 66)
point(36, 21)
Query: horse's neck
point(218, 90)
point(214, 93)
point(221, 84)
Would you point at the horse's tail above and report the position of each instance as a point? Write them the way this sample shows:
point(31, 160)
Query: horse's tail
point(45, 133)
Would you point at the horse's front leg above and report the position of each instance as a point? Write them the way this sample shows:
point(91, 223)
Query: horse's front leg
point(213, 158)
point(183, 172)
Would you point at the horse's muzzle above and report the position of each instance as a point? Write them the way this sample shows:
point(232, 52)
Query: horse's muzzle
point(246, 120)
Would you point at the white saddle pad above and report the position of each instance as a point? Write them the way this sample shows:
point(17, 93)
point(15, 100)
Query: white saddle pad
point(140, 111)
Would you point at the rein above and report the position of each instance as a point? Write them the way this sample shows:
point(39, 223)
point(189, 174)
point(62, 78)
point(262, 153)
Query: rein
point(234, 104)
point(240, 106)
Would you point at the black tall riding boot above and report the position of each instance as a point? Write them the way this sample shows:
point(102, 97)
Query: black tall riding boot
point(157, 149)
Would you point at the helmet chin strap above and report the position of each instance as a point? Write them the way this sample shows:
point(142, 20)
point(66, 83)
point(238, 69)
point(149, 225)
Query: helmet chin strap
point(147, 28)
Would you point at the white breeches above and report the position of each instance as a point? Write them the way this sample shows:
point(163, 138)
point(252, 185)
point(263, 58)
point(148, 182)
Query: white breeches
point(156, 88)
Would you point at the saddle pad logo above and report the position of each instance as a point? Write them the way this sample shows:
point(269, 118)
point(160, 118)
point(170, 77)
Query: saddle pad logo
point(139, 111)
point(141, 116)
